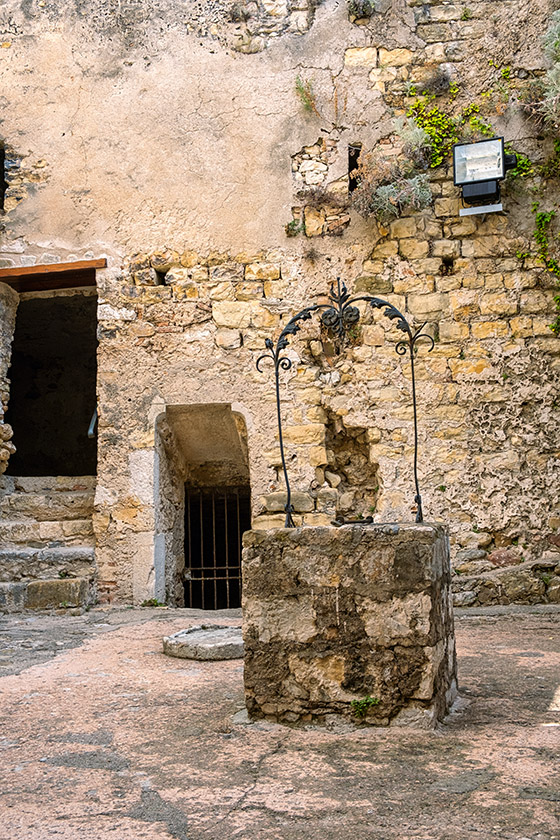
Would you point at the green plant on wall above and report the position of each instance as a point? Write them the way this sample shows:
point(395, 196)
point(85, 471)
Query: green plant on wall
point(294, 227)
point(551, 38)
point(551, 167)
point(472, 125)
point(362, 707)
point(388, 188)
point(543, 222)
point(524, 168)
point(439, 126)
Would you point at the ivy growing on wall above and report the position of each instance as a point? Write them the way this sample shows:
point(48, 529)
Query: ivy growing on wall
point(543, 222)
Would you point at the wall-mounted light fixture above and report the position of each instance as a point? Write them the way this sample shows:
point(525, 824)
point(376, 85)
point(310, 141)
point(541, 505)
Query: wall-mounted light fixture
point(478, 169)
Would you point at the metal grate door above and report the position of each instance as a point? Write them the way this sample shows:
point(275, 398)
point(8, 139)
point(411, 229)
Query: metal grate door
point(215, 520)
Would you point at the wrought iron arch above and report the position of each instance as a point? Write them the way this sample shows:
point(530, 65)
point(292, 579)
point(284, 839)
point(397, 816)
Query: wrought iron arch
point(338, 316)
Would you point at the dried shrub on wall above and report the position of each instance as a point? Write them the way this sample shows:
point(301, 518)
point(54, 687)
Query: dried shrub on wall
point(306, 95)
point(387, 188)
point(322, 196)
point(417, 145)
point(360, 9)
point(543, 97)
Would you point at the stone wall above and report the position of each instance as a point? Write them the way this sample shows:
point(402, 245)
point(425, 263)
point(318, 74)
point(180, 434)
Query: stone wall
point(219, 196)
point(47, 555)
point(334, 616)
point(169, 549)
point(8, 307)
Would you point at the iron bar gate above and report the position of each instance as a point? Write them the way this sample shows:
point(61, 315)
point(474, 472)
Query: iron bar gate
point(215, 520)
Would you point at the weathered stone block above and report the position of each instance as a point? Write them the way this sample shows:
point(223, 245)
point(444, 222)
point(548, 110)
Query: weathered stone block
point(395, 58)
point(373, 285)
point(276, 502)
point(314, 221)
point(361, 57)
point(536, 302)
point(52, 594)
point(311, 433)
point(146, 277)
point(226, 271)
point(428, 305)
point(444, 13)
point(446, 248)
point(262, 271)
point(206, 642)
point(232, 314)
point(228, 339)
point(12, 597)
point(403, 228)
point(490, 329)
point(332, 615)
point(412, 249)
point(387, 248)
point(446, 207)
point(496, 303)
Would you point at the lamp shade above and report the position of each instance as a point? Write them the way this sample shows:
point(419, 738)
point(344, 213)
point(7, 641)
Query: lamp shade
point(476, 162)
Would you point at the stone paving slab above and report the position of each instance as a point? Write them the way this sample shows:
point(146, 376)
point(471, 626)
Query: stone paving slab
point(103, 736)
point(205, 642)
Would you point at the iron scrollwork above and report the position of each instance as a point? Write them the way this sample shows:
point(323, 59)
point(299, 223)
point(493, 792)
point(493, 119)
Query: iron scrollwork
point(338, 317)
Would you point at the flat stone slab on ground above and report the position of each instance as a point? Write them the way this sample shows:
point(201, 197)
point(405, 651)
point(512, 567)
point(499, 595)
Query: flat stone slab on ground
point(205, 642)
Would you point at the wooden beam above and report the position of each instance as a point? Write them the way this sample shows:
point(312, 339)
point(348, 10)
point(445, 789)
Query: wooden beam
point(26, 270)
point(36, 278)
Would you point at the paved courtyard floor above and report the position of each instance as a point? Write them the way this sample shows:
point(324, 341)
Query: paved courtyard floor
point(102, 736)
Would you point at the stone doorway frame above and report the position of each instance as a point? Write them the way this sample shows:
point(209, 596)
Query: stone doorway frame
point(189, 448)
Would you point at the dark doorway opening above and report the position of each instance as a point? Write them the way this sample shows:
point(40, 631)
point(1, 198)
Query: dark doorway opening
point(215, 520)
point(53, 386)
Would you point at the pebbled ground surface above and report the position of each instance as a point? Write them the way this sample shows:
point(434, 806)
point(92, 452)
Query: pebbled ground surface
point(102, 736)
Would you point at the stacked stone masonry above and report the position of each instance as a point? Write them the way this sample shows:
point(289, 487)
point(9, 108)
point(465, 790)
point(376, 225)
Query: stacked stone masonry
point(198, 277)
point(47, 556)
point(332, 616)
point(8, 306)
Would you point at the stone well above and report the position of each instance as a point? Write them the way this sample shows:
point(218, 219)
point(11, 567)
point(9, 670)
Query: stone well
point(336, 615)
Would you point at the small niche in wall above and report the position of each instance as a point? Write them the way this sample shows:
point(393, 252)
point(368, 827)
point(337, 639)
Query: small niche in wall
point(447, 265)
point(354, 152)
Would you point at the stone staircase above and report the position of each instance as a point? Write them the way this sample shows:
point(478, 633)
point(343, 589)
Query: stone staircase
point(47, 558)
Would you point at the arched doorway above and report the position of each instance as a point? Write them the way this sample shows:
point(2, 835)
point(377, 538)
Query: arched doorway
point(204, 504)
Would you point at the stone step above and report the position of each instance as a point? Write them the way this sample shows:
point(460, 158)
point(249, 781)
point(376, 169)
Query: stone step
point(18, 564)
point(49, 506)
point(533, 582)
point(46, 483)
point(48, 594)
point(45, 534)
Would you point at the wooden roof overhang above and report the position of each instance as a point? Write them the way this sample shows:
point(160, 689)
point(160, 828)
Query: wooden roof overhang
point(43, 278)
